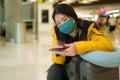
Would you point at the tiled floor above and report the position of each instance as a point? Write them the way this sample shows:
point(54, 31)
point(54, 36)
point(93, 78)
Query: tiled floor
point(26, 61)
point(30, 60)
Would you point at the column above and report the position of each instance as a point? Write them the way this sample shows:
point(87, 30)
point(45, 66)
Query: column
point(13, 14)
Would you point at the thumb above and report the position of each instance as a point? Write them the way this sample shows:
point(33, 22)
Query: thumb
point(66, 45)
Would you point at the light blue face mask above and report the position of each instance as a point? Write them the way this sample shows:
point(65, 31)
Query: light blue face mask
point(67, 27)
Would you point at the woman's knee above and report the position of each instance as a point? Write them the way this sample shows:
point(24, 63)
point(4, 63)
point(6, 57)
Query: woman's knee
point(56, 71)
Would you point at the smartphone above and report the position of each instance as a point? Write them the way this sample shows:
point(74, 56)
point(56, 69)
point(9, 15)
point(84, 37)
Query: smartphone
point(57, 49)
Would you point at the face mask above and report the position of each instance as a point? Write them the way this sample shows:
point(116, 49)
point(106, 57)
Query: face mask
point(67, 27)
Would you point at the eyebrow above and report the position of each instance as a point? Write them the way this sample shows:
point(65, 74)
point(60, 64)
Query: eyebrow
point(61, 18)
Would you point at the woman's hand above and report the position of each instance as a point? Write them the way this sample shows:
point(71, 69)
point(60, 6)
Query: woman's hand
point(70, 50)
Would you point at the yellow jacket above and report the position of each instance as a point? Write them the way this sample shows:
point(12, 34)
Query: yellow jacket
point(95, 41)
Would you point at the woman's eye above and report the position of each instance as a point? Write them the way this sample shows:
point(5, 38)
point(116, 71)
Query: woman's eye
point(65, 19)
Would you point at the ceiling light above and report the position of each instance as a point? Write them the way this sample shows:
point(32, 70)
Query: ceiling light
point(31, 0)
point(85, 2)
point(112, 11)
point(93, 0)
point(68, 0)
point(51, 0)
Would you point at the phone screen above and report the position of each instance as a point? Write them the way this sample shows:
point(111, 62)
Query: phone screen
point(57, 49)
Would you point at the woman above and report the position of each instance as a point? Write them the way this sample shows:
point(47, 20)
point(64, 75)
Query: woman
point(79, 36)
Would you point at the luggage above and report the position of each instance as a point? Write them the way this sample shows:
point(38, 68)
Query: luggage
point(83, 70)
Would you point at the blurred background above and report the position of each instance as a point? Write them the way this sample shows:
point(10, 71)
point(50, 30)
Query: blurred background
point(25, 33)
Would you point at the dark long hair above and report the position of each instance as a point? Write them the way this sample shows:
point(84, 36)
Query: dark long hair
point(68, 11)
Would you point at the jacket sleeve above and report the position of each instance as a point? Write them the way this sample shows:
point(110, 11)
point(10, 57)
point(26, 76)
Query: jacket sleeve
point(56, 59)
point(95, 41)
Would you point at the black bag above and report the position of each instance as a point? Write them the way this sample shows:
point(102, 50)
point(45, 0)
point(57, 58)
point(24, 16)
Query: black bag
point(83, 70)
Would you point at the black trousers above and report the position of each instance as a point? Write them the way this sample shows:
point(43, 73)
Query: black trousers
point(57, 72)
point(112, 28)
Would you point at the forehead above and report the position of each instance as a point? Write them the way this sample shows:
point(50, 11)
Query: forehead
point(59, 16)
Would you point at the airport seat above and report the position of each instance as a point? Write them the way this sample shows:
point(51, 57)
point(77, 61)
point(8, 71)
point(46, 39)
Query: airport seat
point(104, 59)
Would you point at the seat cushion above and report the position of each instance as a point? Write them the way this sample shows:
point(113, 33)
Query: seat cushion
point(104, 59)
